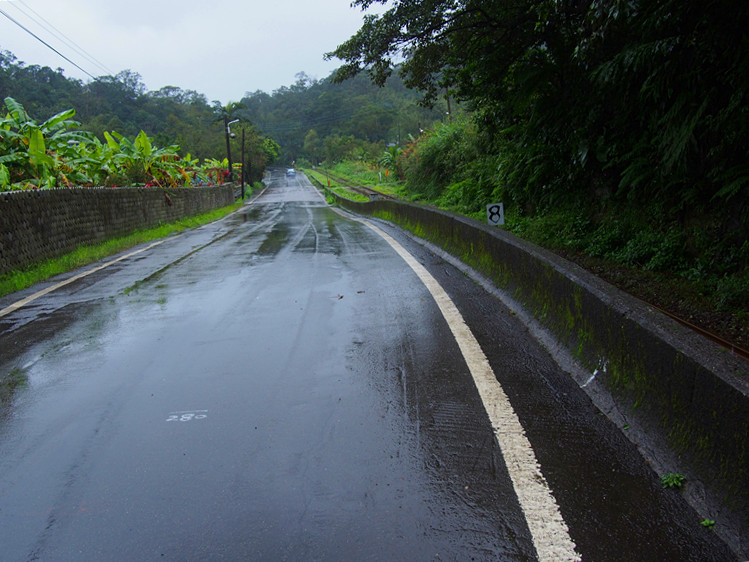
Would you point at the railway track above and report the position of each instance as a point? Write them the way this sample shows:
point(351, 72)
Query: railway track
point(736, 350)
point(367, 191)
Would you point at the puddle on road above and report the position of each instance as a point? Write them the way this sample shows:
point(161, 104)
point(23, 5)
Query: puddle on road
point(274, 240)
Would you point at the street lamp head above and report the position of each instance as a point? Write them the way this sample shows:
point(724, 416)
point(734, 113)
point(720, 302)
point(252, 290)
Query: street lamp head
point(228, 130)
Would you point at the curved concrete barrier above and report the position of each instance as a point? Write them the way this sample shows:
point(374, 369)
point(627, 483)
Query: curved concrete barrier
point(684, 392)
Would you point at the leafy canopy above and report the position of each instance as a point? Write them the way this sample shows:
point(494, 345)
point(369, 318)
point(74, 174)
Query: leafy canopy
point(603, 101)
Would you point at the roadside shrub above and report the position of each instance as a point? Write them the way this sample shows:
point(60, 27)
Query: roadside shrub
point(608, 238)
point(440, 158)
point(563, 228)
point(732, 292)
point(357, 171)
point(668, 253)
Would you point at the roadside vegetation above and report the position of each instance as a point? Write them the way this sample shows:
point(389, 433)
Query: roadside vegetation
point(321, 178)
point(57, 153)
point(692, 272)
point(169, 116)
point(614, 133)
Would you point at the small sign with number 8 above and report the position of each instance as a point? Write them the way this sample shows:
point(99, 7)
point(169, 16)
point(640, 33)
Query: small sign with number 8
point(495, 214)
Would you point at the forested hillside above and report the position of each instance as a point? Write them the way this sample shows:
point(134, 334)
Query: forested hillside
point(322, 120)
point(310, 119)
point(116, 103)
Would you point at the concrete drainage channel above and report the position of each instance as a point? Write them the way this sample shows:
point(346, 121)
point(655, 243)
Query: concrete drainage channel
point(683, 400)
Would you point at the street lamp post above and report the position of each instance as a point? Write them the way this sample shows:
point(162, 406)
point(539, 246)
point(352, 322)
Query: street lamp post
point(229, 135)
point(243, 174)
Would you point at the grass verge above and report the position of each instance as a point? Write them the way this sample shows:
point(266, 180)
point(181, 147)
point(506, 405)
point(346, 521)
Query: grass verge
point(10, 382)
point(322, 180)
point(85, 255)
point(359, 173)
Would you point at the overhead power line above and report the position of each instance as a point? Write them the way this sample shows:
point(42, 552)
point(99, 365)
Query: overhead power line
point(43, 42)
point(59, 35)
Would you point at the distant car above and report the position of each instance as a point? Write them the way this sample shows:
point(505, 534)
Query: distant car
point(291, 172)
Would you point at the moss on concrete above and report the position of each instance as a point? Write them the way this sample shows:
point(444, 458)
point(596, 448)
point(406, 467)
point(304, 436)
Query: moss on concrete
point(699, 412)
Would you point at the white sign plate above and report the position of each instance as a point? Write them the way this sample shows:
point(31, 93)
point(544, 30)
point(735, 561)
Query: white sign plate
point(495, 213)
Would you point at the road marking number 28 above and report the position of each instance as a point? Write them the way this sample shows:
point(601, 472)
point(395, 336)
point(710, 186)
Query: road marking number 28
point(187, 416)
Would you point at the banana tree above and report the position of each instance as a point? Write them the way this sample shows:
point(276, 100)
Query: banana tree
point(390, 159)
point(16, 132)
point(214, 170)
point(35, 154)
point(4, 177)
point(54, 153)
point(142, 162)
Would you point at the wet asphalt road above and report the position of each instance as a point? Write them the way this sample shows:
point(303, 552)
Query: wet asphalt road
point(281, 386)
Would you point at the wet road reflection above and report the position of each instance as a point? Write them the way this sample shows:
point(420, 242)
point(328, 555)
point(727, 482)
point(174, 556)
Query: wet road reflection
point(256, 393)
point(276, 386)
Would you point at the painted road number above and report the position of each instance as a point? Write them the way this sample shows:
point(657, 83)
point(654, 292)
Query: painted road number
point(187, 416)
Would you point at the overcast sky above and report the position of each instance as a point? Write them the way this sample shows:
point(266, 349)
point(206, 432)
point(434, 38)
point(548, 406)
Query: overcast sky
point(220, 48)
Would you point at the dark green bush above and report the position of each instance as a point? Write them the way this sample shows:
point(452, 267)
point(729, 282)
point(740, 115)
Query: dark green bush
point(732, 292)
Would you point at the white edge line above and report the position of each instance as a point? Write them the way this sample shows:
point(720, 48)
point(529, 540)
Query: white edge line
point(548, 529)
point(23, 302)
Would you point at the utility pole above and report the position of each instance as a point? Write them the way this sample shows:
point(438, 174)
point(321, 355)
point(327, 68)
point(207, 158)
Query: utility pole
point(243, 164)
point(228, 145)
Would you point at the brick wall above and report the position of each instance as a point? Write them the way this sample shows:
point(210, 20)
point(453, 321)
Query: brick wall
point(38, 225)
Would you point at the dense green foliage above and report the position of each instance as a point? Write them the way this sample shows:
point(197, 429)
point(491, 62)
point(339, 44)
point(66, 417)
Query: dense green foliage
point(324, 121)
point(169, 117)
point(311, 120)
point(627, 120)
point(56, 154)
point(117, 103)
point(610, 100)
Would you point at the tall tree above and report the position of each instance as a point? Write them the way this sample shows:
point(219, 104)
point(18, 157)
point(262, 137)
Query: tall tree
point(311, 145)
point(610, 99)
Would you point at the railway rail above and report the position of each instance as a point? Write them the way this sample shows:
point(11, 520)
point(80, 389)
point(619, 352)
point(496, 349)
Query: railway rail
point(368, 191)
point(733, 348)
